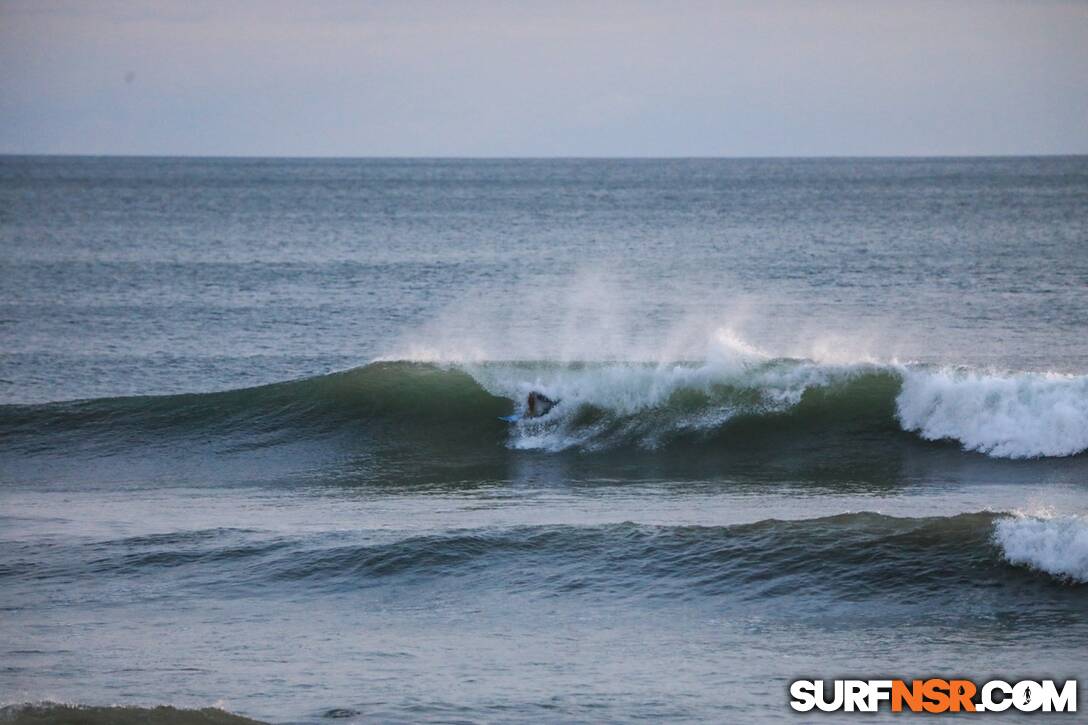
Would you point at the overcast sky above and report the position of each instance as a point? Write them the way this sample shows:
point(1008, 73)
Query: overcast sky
point(474, 78)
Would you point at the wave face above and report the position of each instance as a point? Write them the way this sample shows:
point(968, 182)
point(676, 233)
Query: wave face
point(395, 407)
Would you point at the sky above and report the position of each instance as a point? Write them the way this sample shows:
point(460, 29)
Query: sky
point(557, 78)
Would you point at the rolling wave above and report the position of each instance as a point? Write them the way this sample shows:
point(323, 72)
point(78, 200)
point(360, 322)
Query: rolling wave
point(846, 557)
point(601, 406)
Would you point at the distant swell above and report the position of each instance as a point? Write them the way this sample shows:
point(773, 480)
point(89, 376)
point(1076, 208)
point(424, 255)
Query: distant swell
point(50, 713)
point(394, 406)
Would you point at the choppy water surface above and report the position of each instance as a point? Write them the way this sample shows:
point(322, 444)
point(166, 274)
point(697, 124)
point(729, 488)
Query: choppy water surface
point(815, 418)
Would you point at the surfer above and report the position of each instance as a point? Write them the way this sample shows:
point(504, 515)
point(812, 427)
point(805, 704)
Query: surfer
point(537, 405)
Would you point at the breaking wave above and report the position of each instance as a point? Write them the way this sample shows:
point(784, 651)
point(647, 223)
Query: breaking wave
point(1057, 545)
point(1024, 415)
point(1010, 415)
point(601, 406)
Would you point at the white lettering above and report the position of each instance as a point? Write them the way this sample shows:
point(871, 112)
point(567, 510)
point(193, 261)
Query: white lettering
point(803, 693)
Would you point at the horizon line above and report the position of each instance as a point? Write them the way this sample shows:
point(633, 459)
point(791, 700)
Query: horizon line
point(452, 157)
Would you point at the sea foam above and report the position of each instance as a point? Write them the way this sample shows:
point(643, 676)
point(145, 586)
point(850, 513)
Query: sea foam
point(1057, 545)
point(1015, 415)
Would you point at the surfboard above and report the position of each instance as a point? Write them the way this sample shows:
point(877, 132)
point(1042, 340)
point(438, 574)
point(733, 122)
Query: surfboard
point(510, 418)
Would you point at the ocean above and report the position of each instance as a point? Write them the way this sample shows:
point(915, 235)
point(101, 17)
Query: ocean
point(816, 418)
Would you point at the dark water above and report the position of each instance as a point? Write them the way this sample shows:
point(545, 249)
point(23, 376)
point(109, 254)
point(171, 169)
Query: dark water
point(816, 418)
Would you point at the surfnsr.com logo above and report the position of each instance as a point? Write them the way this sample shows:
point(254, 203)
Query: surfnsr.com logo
point(933, 695)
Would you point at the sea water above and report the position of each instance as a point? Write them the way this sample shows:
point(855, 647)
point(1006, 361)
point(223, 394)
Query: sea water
point(816, 418)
